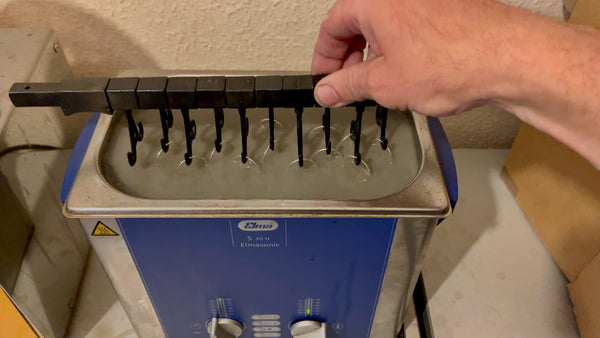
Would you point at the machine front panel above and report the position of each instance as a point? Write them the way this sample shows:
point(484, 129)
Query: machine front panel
point(265, 273)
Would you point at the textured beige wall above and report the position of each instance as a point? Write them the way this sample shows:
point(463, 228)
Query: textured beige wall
point(104, 37)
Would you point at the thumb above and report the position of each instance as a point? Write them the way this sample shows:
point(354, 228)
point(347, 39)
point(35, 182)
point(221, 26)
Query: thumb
point(347, 85)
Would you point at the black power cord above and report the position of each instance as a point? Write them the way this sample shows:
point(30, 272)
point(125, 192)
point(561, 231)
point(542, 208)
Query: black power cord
point(421, 311)
point(27, 147)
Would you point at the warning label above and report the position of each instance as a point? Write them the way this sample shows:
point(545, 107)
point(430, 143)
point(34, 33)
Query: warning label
point(102, 230)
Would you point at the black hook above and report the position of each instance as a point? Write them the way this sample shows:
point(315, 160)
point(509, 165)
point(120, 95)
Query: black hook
point(136, 134)
point(355, 129)
point(269, 93)
point(271, 128)
point(244, 130)
point(381, 115)
point(219, 123)
point(327, 128)
point(190, 134)
point(299, 111)
point(166, 121)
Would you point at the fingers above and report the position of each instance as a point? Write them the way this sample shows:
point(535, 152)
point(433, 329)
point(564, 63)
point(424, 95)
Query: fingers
point(355, 53)
point(339, 53)
point(335, 40)
point(349, 84)
point(353, 58)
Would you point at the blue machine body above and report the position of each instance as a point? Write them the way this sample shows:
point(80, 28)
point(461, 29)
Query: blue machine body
point(279, 270)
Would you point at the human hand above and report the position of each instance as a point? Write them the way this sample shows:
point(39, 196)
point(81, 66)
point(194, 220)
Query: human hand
point(436, 57)
point(441, 57)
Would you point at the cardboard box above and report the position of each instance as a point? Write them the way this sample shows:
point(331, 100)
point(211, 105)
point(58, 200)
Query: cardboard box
point(586, 12)
point(14, 323)
point(559, 192)
point(585, 292)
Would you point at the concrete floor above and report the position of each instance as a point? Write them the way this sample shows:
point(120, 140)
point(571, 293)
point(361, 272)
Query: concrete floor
point(487, 274)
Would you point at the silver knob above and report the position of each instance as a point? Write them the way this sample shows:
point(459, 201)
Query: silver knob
point(224, 328)
point(308, 329)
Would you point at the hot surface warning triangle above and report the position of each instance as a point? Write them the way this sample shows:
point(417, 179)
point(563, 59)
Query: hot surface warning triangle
point(102, 230)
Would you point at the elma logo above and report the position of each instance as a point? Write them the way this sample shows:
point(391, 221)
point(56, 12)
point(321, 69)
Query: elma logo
point(258, 225)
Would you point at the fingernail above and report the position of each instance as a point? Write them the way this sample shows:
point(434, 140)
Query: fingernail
point(327, 96)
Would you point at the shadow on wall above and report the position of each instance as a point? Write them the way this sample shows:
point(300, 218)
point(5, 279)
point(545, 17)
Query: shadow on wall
point(85, 38)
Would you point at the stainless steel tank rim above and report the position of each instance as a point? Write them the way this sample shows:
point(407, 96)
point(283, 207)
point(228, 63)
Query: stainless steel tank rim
point(92, 195)
point(418, 199)
point(228, 214)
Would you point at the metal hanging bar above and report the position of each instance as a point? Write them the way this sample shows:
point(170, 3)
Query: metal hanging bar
point(381, 115)
point(269, 94)
point(355, 130)
point(327, 128)
point(210, 93)
point(166, 122)
point(239, 93)
point(181, 94)
point(136, 134)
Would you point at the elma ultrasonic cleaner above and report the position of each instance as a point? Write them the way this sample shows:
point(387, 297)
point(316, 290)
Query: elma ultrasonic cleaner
point(281, 219)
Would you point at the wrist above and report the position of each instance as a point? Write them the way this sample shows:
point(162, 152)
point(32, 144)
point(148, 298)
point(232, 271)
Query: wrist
point(517, 63)
point(549, 78)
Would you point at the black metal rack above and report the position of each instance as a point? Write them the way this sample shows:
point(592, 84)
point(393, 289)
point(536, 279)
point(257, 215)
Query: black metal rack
point(107, 95)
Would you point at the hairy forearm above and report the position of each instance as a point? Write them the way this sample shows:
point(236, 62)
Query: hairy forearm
point(553, 81)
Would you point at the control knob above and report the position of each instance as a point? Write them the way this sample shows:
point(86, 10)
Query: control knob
point(224, 328)
point(308, 329)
